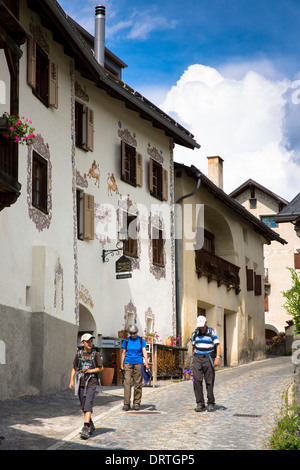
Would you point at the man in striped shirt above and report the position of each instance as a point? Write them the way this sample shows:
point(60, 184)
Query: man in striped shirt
point(206, 351)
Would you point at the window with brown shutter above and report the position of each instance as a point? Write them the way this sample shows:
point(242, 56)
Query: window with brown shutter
point(297, 260)
point(84, 127)
point(42, 74)
point(85, 215)
point(257, 279)
point(157, 247)
point(250, 279)
point(128, 164)
point(39, 182)
point(158, 180)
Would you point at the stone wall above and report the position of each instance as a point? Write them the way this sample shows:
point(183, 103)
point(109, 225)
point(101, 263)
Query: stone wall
point(36, 353)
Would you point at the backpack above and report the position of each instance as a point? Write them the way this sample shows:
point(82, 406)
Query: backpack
point(92, 358)
point(209, 332)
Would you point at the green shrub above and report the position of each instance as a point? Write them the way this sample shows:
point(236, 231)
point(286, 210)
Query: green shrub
point(286, 435)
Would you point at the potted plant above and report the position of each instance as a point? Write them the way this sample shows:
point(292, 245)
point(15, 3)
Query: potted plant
point(17, 128)
point(123, 334)
point(149, 336)
point(172, 340)
point(107, 374)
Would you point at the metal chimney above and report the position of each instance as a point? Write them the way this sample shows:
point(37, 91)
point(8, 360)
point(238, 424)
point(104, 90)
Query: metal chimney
point(99, 40)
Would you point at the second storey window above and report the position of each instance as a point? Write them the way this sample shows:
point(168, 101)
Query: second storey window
point(131, 165)
point(269, 221)
point(158, 180)
point(39, 182)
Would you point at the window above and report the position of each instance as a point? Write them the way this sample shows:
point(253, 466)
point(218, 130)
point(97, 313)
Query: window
point(297, 260)
point(252, 203)
point(42, 74)
point(158, 180)
point(84, 127)
point(209, 242)
point(269, 221)
point(39, 182)
point(257, 286)
point(130, 246)
point(131, 165)
point(85, 215)
point(250, 279)
point(157, 247)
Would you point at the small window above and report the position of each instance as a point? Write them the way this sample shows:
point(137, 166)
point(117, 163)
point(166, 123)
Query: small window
point(158, 180)
point(253, 203)
point(269, 221)
point(128, 163)
point(209, 242)
point(84, 127)
point(157, 247)
point(39, 182)
point(130, 246)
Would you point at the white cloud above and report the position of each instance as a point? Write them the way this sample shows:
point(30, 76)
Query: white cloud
point(243, 121)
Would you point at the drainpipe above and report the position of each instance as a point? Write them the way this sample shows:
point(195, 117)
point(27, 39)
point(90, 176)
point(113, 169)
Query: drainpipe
point(178, 316)
point(99, 40)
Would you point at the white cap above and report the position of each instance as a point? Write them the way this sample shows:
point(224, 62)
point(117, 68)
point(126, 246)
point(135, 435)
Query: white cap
point(86, 337)
point(201, 320)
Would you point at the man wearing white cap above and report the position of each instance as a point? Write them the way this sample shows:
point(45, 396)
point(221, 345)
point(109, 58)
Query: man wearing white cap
point(206, 351)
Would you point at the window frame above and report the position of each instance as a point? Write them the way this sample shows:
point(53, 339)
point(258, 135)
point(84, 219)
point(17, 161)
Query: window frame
point(158, 255)
point(39, 195)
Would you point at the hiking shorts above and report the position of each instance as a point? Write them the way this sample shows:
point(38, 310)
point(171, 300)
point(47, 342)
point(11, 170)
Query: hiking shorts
point(88, 400)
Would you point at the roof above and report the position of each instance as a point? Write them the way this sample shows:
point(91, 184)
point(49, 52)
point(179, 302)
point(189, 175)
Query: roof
point(291, 212)
point(253, 184)
point(218, 193)
point(66, 33)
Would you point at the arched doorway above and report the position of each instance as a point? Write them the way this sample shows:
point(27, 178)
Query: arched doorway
point(87, 323)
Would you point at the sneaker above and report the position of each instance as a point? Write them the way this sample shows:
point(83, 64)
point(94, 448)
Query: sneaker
point(200, 407)
point(85, 432)
point(126, 408)
point(210, 407)
point(91, 427)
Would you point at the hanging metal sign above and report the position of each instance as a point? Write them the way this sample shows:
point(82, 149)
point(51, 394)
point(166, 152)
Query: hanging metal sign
point(123, 268)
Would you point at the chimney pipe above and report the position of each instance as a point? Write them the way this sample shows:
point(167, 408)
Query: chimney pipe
point(99, 40)
point(215, 170)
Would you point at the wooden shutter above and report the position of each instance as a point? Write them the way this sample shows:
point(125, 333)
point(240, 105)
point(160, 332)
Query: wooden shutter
point(53, 84)
point(89, 129)
point(266, 302)
point(297, 260)
point(139, 169)
point(164, 185)
point(249, 273)
point(257, 278)
point(151, 175)
point(31, 62)
point(122, 160)
point(88, 217)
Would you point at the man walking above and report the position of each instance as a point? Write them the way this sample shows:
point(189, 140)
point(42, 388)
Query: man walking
point(206, 355)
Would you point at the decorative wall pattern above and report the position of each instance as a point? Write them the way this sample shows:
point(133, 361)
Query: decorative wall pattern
point(155, 154)
point(85, 297)
point(72, 111)
point(172, 234)
point(105, 216)
point(40, 36)
point(41, 219)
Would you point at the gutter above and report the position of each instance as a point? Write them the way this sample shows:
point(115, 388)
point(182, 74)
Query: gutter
point(178, 316)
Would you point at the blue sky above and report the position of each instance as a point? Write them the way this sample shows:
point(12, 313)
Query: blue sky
point(224, 68)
